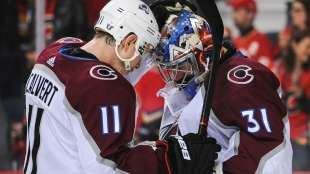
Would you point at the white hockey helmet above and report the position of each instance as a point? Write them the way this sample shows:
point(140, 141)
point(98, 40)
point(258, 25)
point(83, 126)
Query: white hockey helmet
point(123, 17)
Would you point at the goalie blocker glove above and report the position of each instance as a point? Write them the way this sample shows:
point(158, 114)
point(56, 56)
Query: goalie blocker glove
point(191, 154)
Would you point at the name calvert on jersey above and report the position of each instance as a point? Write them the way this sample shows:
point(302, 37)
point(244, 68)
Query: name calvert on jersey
point(41, 88)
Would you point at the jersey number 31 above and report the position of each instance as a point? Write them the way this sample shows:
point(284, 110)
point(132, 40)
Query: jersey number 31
point(253, 125)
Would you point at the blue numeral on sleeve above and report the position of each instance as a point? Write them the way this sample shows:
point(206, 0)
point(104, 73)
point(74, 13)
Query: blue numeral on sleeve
point(116, 119)
point(105, 118)
point(253, 125)
point(265, 120)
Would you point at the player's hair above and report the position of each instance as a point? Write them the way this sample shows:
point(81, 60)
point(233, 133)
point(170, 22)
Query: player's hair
point(109, 39)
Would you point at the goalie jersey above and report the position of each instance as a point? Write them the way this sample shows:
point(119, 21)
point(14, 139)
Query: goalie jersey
point(248, 119)
point(81, 116)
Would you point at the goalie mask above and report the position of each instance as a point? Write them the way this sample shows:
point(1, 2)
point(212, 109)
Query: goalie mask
point(184, 52)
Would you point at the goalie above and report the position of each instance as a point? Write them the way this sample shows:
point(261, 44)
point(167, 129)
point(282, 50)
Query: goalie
point(247, 115)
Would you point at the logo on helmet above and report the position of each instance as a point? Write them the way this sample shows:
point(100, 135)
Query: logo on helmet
point(144, 8)
point(109, 27)
point(240, 75)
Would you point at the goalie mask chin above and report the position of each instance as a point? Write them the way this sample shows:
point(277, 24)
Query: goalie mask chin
point(184, 52)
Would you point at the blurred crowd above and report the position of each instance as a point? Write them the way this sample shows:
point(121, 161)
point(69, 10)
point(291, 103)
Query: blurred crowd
point(287, 55)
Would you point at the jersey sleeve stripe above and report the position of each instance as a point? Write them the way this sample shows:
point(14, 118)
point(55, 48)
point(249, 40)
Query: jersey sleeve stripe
point(28, 150)
point(36, 143)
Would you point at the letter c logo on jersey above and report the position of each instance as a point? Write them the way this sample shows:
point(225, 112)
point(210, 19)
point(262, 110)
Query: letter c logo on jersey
point(102, 72)
point(240, 75)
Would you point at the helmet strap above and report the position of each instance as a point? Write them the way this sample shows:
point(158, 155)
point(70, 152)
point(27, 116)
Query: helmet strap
point(126, 62)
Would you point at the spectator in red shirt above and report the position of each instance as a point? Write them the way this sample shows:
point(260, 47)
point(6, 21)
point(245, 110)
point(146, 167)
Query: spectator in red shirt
point(294, 74)
point(251, 42)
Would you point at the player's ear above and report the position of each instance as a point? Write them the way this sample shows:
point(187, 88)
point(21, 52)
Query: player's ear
point(130, 42)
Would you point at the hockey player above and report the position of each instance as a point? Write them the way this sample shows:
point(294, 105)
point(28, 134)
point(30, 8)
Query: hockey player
point(81, 106)
point(247, 118)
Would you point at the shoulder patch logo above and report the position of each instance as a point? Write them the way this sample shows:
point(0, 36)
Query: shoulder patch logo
point(240, 75)
point(51, 61)
point(102, 72)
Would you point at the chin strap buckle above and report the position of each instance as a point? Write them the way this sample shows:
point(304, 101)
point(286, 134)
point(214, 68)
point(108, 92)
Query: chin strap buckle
point(127, 65)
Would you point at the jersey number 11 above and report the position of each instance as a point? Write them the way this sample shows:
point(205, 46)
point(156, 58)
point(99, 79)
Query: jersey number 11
point(105, 129)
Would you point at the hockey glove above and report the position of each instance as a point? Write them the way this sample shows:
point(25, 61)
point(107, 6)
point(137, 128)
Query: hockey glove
point(192, 154)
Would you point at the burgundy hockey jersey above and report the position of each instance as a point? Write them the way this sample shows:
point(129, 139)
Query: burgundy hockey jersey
point(248, 119)
point(81, 116)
